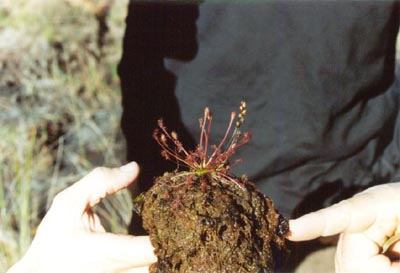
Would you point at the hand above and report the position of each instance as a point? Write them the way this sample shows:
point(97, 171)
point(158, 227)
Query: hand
point(365, 223)
point(70, 237)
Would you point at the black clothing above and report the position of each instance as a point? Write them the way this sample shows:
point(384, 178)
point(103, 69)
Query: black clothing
point(318, 78)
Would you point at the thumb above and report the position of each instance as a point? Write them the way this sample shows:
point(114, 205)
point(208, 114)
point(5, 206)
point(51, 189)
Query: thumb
point(98, 184)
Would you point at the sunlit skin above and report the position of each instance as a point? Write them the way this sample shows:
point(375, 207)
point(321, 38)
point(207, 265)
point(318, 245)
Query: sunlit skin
point(365, 222)
point(71, 237)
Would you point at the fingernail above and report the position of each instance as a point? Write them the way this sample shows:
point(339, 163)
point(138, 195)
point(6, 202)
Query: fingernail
point(129, 168)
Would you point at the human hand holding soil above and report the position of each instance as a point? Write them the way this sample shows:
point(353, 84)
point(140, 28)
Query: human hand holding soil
point(368, 224)
point(71, 238)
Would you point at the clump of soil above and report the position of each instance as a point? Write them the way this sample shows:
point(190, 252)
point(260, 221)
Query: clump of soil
point(205, 220)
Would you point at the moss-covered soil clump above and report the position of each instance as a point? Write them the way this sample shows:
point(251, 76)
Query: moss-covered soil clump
point(205, 220)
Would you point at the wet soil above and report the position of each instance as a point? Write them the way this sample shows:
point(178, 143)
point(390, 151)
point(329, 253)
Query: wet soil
point(211, 224)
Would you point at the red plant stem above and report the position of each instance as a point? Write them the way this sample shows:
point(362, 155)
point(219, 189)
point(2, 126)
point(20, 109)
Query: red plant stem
point(207, 136)
point(171, 152)
point(227, 177)
point(233, 114)
point(202, 121)
point(202, 130)
point(176, 142)
point(235, 137)
point(197, 161)
point(203, 135)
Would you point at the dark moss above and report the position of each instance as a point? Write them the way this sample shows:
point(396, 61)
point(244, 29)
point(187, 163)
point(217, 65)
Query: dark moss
point(211, 225)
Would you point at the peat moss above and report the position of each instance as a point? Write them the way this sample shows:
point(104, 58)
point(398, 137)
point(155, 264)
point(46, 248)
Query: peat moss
point(204, 219)
point(208, 224)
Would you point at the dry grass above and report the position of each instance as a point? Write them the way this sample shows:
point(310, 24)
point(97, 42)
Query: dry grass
point(59, 112)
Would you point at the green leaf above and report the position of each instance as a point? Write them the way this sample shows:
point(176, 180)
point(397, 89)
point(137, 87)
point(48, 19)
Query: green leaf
point(392, 240)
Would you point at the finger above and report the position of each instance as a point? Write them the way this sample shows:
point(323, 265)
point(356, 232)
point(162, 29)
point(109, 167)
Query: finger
point(357, 253)
point(352, 215)
point(394, 251)
point(92, 222)
point(102, 182)
point(95, 186)
point(125, 251)
point(384, 227)
point(395, 247)
point(357, 213)
point(354, 250)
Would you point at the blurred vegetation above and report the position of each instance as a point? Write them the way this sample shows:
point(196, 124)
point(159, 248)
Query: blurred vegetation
point(59, 109)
